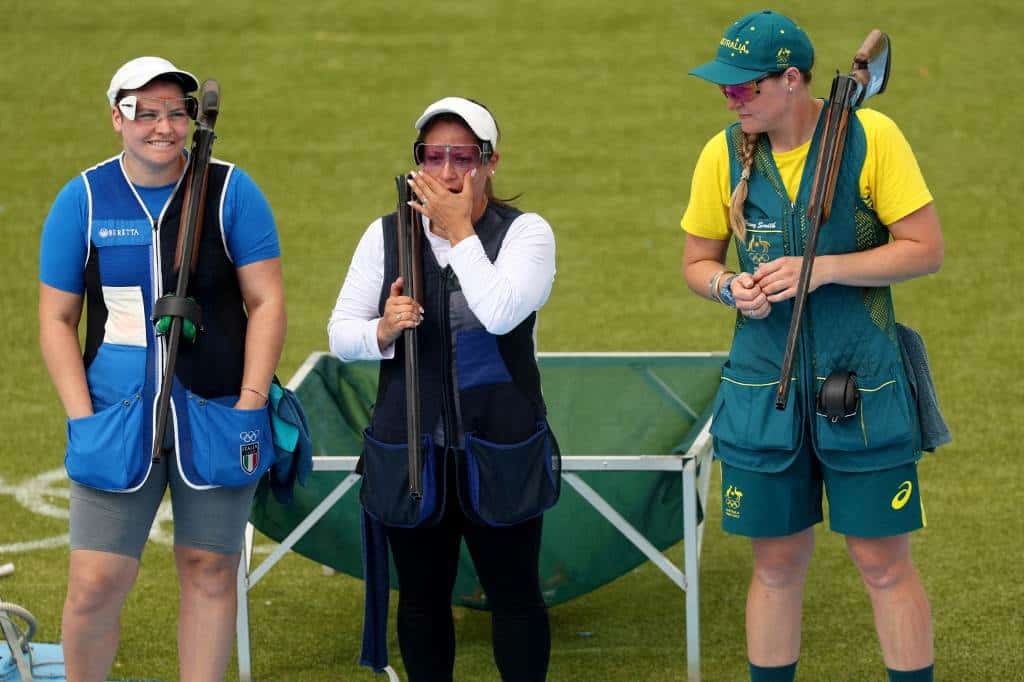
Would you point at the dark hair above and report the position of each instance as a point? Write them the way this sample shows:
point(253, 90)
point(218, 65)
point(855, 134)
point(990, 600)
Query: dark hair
point(455, 118)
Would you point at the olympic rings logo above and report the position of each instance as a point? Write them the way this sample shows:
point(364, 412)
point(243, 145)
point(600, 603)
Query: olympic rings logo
point(249, 436)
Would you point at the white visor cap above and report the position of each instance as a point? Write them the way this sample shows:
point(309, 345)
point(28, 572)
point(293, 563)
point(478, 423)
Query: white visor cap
point(476, 117)
point(141, 70)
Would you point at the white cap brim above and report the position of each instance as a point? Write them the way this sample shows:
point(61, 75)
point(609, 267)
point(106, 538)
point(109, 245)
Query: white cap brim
point(476, 117)
point(141, 70)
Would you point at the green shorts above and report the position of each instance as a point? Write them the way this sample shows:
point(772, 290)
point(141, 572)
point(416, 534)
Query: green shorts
point(866, 504)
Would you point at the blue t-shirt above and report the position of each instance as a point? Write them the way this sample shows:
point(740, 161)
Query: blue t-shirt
point(249, 229)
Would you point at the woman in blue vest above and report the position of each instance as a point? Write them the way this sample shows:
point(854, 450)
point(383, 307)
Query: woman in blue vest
point(490, 463)
point(109, 242)
point(751, 186)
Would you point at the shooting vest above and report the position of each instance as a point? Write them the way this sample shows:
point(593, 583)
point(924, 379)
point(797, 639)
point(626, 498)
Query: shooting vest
point(845, 328)
point(480, 397)
point(470, 380)
point(130, 265)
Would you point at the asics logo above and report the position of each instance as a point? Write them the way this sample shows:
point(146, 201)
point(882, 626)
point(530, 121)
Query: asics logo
point(902, 495)
point(249, 436)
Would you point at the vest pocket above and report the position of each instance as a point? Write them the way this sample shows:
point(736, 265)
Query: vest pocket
point(230, 447)
point(878, 435)
point(749, 432)
point(505, 484)
point(384, 490)
point(105, 450)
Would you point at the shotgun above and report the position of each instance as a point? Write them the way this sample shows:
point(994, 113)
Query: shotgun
point(868, 76)
point(410, 235)
point(177, 307)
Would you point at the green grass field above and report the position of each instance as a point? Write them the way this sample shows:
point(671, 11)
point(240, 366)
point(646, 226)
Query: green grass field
point(601, 128)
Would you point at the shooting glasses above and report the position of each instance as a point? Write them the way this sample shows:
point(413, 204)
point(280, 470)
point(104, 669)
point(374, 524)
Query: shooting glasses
point(744, 92)
point(151, 109)
point(463, 157)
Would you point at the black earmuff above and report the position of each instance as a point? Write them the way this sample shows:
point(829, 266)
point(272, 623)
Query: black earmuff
point(839, 397)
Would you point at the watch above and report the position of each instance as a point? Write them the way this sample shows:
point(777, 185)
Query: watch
point(725, 291)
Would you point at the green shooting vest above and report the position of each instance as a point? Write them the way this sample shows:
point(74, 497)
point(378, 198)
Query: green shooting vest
point(844, 328)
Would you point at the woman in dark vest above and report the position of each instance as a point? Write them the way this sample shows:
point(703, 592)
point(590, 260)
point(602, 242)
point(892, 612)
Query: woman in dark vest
point(490, 462)
point(751, 186)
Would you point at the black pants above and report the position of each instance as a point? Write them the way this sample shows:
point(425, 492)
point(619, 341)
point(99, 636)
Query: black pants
point(506, 563)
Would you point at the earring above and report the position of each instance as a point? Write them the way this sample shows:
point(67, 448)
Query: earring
point(791, 89)
point(492, 172)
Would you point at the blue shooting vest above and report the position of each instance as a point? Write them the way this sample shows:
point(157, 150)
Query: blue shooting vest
point(844, 328)
point(126, 272)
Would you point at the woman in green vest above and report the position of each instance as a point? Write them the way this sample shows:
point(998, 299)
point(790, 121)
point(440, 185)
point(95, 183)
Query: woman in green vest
point(751, 186)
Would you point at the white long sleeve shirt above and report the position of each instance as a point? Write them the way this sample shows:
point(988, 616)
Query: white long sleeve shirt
point(501, 294)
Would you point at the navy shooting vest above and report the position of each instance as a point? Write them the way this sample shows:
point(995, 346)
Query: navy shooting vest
point(480, 401)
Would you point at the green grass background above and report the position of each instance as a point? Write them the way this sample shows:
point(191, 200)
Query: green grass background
point(601, 129)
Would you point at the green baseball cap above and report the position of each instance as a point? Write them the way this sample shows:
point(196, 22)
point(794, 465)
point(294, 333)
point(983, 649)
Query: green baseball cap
point(758, 44)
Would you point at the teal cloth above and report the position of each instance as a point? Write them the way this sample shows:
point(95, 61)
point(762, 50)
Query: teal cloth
point(286, 435)
point(292, 443)
point(934, 430)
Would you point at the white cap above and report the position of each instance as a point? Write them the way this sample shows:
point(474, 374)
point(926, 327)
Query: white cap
point(476, 117)
point(142, 70)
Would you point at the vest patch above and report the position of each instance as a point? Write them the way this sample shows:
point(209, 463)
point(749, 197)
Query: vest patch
point(249, 450)
point(760, 236)
point(121, 232)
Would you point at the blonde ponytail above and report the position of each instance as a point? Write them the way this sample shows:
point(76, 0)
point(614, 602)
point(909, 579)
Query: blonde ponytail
point(737, 221)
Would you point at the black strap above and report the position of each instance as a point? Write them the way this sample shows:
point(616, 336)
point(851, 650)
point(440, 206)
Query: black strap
point(178, 306)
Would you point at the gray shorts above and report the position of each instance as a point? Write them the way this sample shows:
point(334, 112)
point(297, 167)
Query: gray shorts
point(119, 523)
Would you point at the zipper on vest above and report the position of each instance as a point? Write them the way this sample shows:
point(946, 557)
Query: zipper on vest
point(447, 389)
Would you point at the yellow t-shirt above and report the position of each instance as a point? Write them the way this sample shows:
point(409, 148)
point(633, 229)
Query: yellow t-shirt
point(890, 181)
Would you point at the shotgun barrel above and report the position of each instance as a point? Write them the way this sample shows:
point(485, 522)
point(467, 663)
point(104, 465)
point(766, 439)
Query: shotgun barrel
point(189, 232)
point(410, 235)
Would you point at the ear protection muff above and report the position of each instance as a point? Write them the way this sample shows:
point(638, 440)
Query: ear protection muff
point(839, 397)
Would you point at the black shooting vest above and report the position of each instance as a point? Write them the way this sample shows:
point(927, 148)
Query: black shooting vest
point(471, 381)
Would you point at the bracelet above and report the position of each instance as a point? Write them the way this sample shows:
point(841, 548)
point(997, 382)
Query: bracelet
point(713, 285)
point(253, 390)
point(714, 292)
